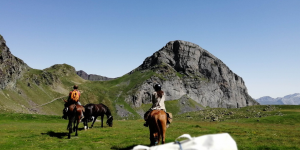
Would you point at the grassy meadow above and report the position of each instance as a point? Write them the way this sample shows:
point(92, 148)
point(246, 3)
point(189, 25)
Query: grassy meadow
point(253, 128)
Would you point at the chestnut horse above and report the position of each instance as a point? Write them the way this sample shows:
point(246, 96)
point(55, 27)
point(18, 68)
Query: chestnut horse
point(95, 110)
point(157, 126)
point(74, 114)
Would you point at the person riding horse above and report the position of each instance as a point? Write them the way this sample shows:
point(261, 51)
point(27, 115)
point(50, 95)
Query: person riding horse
point(73, 98)
point(158, 103)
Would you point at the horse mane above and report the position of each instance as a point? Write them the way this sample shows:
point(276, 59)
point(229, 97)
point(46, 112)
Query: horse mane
point(108, 113)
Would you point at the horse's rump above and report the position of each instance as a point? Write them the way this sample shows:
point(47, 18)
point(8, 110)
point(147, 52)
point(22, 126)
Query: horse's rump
point(74, 114)
point(157, 125)
point(158, 116)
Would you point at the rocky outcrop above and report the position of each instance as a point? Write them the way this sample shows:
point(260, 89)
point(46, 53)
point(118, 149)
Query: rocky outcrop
point(92, 77)
point(11, 67)
point(184, 68)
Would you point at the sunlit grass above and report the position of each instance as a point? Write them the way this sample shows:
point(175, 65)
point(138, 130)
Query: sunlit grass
point(24, 131)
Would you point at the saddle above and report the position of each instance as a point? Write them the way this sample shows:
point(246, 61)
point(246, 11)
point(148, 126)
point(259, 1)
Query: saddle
point(169, 116)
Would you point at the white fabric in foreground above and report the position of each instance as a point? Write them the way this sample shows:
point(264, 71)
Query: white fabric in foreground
point(221, 141)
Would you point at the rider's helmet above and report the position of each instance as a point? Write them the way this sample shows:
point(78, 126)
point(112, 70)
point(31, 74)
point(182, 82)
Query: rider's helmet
point(157, 87)
point(75, 87)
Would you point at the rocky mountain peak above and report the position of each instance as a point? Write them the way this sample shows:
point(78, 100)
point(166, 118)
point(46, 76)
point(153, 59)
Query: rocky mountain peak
point(11, 67)
point(185, 68)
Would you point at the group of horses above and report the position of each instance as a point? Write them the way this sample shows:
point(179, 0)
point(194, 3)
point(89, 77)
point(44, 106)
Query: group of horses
point(157, 120)
point(90, 112)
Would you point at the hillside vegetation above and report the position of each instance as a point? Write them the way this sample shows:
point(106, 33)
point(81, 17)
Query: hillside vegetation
point(43, 91)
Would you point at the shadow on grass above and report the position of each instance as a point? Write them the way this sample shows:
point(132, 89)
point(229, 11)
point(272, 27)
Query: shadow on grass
point(59, 135)
point(126, 148)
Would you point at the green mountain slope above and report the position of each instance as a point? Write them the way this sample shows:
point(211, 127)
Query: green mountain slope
point(192, 78)
point(40, 91)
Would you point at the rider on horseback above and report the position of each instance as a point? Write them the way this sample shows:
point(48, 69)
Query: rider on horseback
point(158, 101)
point(73, 98)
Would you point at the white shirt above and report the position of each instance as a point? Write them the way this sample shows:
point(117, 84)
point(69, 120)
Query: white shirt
point(158, 103)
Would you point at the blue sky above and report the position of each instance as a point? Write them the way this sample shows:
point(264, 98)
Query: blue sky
point(259, 39)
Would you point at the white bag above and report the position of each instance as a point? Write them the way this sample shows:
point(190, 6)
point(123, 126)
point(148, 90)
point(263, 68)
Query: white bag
point(221, 141)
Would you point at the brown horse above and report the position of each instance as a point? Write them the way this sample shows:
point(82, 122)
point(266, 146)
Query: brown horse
point(157, 126)
point(74, 114)
point(95, 110)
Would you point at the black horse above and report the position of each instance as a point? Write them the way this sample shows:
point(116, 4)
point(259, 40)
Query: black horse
point(92, 111)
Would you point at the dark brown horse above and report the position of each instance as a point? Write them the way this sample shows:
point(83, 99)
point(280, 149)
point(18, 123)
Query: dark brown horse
point(95, 110)
point(157, 126)
point(74, 114)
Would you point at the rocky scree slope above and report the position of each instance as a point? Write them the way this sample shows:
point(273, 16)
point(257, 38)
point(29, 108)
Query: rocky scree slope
point(186, 69)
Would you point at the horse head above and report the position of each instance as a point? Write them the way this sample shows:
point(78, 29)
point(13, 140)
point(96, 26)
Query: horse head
point(109, 121)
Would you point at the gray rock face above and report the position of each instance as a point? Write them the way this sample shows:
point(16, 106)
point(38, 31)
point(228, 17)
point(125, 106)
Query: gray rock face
point(184, 68)
point(82, 74)
point(11, 67)
point(92, 77)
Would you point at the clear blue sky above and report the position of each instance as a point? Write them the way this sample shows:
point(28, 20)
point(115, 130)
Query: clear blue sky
point(259, 39)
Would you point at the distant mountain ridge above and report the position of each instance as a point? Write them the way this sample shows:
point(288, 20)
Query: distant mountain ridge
point(292, 99)
point(92, 77)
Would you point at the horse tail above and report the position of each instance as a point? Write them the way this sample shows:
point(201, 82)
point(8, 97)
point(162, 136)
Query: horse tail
point(75, 112)
point(158, 127)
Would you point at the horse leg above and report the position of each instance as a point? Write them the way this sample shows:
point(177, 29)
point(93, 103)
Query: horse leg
point(94, 121)
point(153, 133)
point(68, 125)
point(163, 134)
point(102, 117)
point(163, 130)
point(85, 123)
point(76, 128)
point(152, 142)
point(70, 128)
point(74, 125)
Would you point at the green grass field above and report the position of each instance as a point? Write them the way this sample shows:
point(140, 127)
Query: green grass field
point(276, 128)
